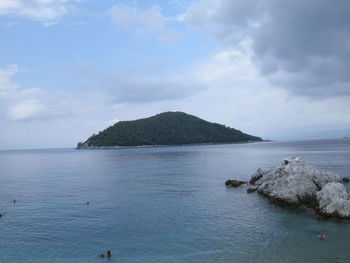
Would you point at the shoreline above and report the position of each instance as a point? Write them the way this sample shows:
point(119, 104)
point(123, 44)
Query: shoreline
point(160, 145)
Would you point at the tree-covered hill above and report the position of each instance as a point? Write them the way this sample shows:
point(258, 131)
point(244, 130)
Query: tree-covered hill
point(168, 128)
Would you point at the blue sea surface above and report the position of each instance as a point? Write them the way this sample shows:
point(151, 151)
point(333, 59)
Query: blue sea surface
point(167, 204)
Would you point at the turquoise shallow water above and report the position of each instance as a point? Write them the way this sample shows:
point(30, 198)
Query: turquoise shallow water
point(162, 205)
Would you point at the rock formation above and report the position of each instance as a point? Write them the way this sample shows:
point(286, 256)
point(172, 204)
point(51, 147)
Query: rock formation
point(295, 183)
point(234, 183)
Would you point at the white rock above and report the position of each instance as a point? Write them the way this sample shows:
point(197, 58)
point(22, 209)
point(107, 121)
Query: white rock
point(296, 183)
point(333, 200)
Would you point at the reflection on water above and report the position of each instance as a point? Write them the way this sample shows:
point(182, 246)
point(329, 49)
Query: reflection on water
point(161, 205)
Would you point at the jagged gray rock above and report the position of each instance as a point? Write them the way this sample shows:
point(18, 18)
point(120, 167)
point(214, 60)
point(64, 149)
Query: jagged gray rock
point(333, 200)
point(255, 177)
point(295, 183)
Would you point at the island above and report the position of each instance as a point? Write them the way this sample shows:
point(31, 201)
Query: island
point(167, 128)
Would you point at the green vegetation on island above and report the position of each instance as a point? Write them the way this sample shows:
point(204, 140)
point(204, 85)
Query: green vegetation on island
point(168, 128)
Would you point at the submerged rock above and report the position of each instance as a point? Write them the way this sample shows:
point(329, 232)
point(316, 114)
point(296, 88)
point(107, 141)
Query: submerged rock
point(295, 183)
point(251, 190)
point(234, 183)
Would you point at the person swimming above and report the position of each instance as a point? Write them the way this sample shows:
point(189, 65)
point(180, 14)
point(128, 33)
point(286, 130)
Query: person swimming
point(108, 255)
point(322, 235)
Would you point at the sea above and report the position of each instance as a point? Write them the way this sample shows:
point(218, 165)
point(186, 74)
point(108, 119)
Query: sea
point(162, 205)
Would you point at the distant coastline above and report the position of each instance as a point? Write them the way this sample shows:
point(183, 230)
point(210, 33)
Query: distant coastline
point(163, 145)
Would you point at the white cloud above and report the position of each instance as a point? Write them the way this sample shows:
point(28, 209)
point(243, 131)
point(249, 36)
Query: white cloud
point(152, 19)
point(39, 10)
point(34, 117)
point(6, 85)
point(127, 17)
point(225, 65)
point(22, 104)
point(27, 110)
point(148, 23)
point(123, 16)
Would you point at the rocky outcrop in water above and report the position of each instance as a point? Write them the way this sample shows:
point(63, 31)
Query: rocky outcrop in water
point(294, 183)
point(234, 183)
point(333, 200)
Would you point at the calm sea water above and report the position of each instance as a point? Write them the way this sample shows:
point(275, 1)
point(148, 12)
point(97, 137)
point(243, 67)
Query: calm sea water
point(162, 205)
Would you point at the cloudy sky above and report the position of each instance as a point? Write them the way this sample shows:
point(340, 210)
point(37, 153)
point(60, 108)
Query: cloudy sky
point(278, 69)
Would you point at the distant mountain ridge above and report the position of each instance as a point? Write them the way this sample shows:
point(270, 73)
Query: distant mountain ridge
point(168, 128)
